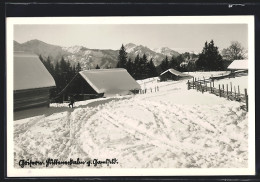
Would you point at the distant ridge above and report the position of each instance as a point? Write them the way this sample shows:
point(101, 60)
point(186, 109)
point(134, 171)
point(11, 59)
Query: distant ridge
point(89, 58)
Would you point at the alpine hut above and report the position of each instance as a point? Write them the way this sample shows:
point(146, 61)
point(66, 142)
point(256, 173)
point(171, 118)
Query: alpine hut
point(95, 83)
point(238, 65)
point(32, 81)
point(172, 74)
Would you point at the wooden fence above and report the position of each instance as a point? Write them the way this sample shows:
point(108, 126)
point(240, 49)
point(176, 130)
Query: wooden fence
point(151, 90)
point(227, 91)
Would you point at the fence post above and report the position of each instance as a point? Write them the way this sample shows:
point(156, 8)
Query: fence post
point(246, 97)
point(227, 91)
point(210, 87)
point(193, 82)
point(188, 84)
point(213, 83)
point(238, 91)
point(219, 90)
point(196, 84)
point(223, 88)
point(235, 91)
point(204, 79)
point(231, 87)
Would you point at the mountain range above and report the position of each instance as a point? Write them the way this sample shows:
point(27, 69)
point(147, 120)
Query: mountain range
point(89, 58)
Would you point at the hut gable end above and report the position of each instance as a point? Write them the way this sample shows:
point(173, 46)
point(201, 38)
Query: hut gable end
point(102, 81)
point(32, 82)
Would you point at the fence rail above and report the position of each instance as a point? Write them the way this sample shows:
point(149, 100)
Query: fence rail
point(227, 91)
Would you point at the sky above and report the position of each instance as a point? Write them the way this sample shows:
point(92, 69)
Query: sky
point(180, 37)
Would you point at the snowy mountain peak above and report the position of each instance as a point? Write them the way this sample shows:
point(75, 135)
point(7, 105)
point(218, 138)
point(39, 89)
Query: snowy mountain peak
point(74, 49)
point(166, 51)
point(130, 47)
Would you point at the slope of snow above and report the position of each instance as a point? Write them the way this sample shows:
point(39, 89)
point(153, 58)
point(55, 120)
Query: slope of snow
point(170, 128)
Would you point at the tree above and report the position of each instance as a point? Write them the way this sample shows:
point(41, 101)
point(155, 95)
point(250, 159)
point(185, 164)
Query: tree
point(234, 52)
point(164, 64)
point(152, 69)
point(41, 58)
point(130, 66)
point(144, 65)
point(209, 59)
point(181, 65)
point(191, 66)
point(62, 73)
point(174, 63)
point(78, 68)
point(97, 67)
point(136, 67)
point(122, 58)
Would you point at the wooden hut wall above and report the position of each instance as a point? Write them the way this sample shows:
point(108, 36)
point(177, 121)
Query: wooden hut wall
point(79, 87)
point(24, 99)
point(168, 76)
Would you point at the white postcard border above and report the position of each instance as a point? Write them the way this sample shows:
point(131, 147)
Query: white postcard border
point(14, 172)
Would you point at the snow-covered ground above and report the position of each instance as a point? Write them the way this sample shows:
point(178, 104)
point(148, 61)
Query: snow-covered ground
point(170, 128)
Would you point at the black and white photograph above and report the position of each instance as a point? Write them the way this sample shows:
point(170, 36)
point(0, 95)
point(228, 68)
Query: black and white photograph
point(130, 96)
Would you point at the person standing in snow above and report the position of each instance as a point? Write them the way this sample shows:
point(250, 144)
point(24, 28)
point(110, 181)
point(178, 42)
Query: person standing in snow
point(71, 98)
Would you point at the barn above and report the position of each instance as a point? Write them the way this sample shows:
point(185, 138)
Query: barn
point(172, 74)
point(32, 82)
point(89, 84)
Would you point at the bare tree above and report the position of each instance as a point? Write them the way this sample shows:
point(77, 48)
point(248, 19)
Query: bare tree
point(234, 52)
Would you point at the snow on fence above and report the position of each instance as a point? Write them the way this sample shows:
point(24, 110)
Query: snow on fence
point(227, 91)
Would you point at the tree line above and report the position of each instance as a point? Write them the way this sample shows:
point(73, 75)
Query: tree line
point(62, 72)
point(209, 59)
point(139, 68)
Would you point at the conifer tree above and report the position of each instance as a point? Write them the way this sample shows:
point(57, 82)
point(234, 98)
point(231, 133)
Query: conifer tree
point(164, 64)
point(210, 58)
point(130, 66)
point(174, 63)
point(180, 60)
point(122, 58)
point(50, 66)
point(78, 68)
point(152, 69)
point(97, 67)
point(136, 67)
point(144, 67)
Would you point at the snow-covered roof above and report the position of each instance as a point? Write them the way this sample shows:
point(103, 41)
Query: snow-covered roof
point(30, 73)
point(175, 72)
point(239, 65)
point(110, 80)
